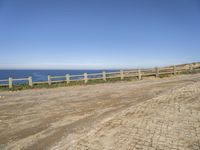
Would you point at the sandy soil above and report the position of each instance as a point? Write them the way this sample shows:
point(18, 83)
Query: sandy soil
point(147, 114)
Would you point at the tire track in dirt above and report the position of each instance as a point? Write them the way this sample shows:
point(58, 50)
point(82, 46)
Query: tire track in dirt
point(161, 123)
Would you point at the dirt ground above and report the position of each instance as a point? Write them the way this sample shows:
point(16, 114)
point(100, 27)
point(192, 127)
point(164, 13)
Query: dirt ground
point(148, 114)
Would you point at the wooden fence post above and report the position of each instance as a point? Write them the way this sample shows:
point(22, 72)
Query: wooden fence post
point(85, 77)
point(49, 79)
point(174, 70)
point(121, 74)
point(191, 68)
point(30, 81)
point(68, 78)
point(139, 74)
point(10, 82)
point(157, 72)
point(104, 75)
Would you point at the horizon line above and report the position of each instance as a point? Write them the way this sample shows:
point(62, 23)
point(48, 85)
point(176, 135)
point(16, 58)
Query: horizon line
point(100, 68)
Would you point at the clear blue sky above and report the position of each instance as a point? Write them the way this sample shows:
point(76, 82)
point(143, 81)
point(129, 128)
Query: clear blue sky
point(85, 34)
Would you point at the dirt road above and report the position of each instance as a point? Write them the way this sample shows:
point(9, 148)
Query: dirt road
point(147, 114)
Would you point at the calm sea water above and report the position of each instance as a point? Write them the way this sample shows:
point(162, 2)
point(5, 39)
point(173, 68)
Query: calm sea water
point(41, 75)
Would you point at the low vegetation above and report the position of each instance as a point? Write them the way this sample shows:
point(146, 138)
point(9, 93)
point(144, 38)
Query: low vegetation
point(94, 81)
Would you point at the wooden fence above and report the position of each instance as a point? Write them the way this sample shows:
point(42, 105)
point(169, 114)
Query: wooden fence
point(138, 73)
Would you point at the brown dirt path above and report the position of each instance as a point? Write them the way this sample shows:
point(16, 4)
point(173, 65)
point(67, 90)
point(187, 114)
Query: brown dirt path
point(147, 114)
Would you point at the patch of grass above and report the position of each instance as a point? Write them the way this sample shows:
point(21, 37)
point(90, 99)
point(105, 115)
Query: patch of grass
point(20, 87)
point(96, 81)
point(113, 79)
point(4, 88)
point(185, 72)
point(42, 85)
point(130, 78)
point(165, 75)
point(73, 83)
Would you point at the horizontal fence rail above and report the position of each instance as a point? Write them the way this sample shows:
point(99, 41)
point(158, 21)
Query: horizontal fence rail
point(138, 73)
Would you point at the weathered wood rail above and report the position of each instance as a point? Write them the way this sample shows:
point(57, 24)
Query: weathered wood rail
point(139, 73)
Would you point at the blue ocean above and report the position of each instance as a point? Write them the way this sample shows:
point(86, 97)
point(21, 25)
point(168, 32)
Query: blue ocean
point(41, 75)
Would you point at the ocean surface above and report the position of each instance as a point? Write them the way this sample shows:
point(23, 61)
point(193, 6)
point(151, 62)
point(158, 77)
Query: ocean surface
point(41, 75)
